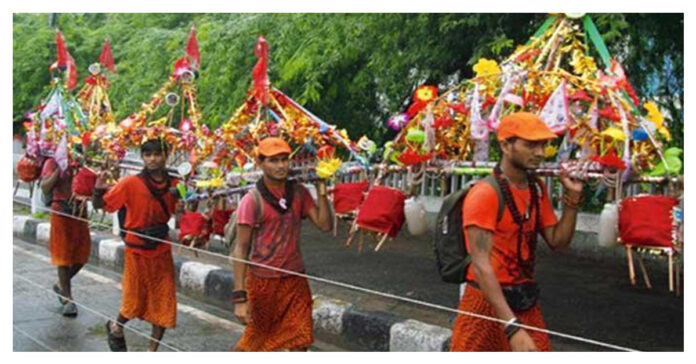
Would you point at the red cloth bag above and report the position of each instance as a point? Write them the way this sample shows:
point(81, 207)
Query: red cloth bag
point(220, 219)
point(193, 224)
point(347, 197)
point(647, 221)
point(383, 210)
point(28, 169)
point(84, 181)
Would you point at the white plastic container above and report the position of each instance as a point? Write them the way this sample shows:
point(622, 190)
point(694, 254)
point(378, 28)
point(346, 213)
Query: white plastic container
point(414, 210)
point(608, 226)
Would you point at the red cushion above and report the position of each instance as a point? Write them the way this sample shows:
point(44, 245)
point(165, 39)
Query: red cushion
point(347, 197)
point(647, 221)
point(383, 210)
point(84, 181)
point(193, 224)
point(220, 219)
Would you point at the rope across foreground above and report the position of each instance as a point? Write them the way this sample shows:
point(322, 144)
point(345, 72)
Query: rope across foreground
point(350, 286)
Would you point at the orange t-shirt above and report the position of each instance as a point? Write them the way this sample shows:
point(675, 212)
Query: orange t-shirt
point(480, 209)
point(142, 209)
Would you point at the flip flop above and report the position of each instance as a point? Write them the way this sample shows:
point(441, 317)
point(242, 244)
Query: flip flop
point(59, 294)
point(69, 310)
point(115, 343)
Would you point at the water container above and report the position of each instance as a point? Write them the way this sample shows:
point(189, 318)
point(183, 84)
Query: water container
point(414, 210)
point(608, 221)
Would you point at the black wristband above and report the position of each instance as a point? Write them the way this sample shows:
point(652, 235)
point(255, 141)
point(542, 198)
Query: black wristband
point(239, 296)
point(512, 327)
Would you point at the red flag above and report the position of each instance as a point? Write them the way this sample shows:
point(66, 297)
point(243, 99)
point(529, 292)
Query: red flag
point(106, 58)
point(192, 48)
point(71, 76)
point(260, 72)
point(62, 50)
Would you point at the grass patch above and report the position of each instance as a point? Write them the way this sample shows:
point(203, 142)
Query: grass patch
point(41, 215)
point(97, 330)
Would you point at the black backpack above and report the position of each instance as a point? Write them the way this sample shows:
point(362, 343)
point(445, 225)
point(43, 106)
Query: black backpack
point(448, 240)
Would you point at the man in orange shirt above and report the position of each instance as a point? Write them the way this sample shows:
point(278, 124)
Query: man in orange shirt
point(276, 306)
point(69, 241)
point(149, 288)
point(501, 277)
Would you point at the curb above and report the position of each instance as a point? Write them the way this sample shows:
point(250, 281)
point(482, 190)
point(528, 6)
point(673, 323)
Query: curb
point(336, 321)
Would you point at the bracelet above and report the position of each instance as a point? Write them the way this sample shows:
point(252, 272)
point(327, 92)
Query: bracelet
point(239, 296)
point(511, 327)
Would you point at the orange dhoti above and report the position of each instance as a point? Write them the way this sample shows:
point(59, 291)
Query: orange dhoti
point(69, 241)
point(281, 314)
point(478, 334)
point(149, 289)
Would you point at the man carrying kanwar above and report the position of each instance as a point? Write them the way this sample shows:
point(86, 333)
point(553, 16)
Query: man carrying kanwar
point(149, 288)
point(501, 279)
point(69, 240)
point(275, 305)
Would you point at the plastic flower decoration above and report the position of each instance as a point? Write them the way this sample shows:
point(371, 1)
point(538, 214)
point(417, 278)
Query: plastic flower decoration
point(614, 134)
point(424, 94)
point(398, 121)
point(550, 150)
point(410, 156)
point(611, 160)
point(655, 116)
point(328, 164)
point(486, 67)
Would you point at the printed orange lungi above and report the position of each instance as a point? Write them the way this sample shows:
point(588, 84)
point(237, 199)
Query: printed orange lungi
point(478, 334)
point(281, 314)
point(69, 241)
point(149, 289)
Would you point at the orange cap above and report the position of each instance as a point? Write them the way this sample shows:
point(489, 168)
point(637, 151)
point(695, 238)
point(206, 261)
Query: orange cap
point(273, 146)
point(524, 125)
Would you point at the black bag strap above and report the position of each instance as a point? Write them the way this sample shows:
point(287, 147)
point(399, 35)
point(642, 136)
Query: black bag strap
point(490, 179)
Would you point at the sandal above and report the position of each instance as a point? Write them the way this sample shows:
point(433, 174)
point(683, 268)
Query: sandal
point(69, 309)
point(115, 343)
point(59, 294)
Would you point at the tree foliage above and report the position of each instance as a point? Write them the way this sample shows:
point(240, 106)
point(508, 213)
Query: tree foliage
point(352, 70)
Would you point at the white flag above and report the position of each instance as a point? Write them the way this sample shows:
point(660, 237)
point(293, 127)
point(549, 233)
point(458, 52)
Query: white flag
point(477, 126)
point(61, 155)
point(555, 112)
